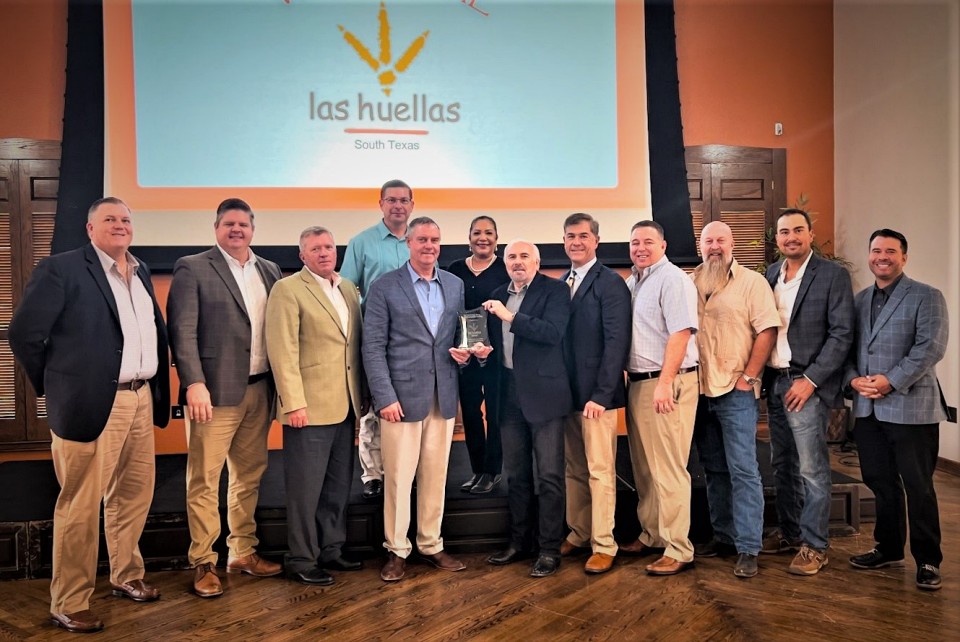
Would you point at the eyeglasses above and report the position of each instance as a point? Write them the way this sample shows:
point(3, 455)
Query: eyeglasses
point(390, 200)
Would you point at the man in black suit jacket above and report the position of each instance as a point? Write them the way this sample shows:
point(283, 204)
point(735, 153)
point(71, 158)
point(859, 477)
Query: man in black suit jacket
point(217, 313)
point(803, 379)
point(595, 348)
point(531, 317)
point(91, 338)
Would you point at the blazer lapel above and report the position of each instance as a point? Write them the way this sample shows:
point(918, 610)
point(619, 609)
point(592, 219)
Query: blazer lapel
point(588, 280)
point(808, 276)
point(96, 269)
point(892, 304)
point(220, 266)
point(449, 302)
point(317, 292)
point(406, 285)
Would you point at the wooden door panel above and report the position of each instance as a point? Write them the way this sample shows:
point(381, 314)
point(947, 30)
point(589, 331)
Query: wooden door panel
point(12, 426)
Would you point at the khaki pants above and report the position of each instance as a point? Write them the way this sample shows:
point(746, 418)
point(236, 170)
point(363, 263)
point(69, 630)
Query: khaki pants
point(659, 450)
point(591, 480)
point(118, 469)
point(237, 436)
point(421, 449)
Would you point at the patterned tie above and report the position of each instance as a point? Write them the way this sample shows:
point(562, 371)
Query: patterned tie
point(571, 281)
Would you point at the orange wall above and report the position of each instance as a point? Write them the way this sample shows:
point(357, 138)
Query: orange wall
point(746, 65)
point(34, 49)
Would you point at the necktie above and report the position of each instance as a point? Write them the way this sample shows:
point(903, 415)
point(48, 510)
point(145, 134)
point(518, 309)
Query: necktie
point(571, 281)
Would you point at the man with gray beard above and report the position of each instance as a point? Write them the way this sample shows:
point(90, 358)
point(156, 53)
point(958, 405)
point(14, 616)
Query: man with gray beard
point(738, 329)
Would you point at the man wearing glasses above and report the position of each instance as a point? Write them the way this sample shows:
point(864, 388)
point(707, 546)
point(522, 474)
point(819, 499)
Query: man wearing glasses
point(370, 254)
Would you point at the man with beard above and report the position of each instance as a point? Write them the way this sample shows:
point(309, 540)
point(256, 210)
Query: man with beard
point(738, 329)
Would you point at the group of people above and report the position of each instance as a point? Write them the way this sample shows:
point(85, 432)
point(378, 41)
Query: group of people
point(320, 350)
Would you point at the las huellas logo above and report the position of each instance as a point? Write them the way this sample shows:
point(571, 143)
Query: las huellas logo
point(390, 115)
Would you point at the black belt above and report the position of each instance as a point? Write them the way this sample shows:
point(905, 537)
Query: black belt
point(786, 372)
point(257, 378)
point(643, 376)
point(134, 385)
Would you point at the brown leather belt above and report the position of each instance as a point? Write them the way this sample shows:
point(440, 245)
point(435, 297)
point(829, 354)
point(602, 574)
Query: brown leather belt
point(643, 376)
point(134, 384)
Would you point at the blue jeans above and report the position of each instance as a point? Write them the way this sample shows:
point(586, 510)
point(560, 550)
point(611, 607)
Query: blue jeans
point(726, 438)
point(801, 466)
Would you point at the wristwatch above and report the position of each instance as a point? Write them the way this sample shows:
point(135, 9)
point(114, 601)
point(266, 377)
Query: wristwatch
point(750, 380)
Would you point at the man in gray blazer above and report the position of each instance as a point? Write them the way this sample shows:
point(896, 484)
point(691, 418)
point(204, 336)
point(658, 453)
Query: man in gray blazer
point(216, 312)
point(901, 335)
point(803, 376)
point(411, 366)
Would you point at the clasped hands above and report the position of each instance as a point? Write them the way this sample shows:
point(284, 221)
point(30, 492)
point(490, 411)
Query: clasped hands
point(872, 386)
point(462, 355)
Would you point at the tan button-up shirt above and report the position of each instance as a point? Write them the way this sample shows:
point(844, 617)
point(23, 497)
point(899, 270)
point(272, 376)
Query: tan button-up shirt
point(729, 323)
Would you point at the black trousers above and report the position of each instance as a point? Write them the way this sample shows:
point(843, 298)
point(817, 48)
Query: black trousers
point(479, 385)
point(318, 472)
point(898, 459)
point(523, 443)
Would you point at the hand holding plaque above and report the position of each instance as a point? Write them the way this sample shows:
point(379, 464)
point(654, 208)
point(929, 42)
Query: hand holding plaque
point(472, 329)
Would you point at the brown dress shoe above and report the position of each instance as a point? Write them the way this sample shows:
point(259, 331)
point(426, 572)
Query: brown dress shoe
point(206, 582)
point(253, 564)
point(79, 622)
point(569, 548)
point(394, 569)
point(666, 565)
point(636, 547)
point(444, 561)
point(598, 563)
point(136, 590)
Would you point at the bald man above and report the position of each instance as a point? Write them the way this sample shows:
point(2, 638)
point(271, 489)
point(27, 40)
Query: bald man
point(738, 329)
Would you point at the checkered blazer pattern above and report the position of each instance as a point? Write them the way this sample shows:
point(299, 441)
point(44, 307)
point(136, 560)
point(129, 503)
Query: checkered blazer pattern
point(905, 344)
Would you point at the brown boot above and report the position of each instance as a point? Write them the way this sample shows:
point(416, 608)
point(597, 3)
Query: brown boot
point(206, 582)
point(253, 564)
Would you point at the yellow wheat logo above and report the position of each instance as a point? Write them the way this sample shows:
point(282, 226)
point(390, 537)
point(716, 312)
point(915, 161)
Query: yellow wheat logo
point(384, 61)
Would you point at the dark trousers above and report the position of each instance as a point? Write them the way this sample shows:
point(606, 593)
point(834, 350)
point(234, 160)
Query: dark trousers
point(522, 443)
point(318, 472)
point(479, 385)
point(898, 459)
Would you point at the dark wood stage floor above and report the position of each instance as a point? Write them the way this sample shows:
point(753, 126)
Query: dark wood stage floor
point(488, 603)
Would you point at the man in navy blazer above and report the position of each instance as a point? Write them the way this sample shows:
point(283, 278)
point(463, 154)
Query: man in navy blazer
point(531, 315)
point(595, 347)
point(91, 338)
point(901, 335)
point(409, 324)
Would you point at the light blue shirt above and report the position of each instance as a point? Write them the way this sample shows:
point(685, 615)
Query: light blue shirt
point(371, 254)
point(430, 295)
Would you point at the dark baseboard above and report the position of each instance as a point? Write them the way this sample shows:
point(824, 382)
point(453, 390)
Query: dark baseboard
point(948, 466)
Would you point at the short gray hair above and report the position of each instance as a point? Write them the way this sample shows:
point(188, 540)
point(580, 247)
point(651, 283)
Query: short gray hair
point(314, 230)
point(536, 250)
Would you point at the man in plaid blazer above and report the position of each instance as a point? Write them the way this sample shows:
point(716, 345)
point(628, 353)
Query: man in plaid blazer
point(901, 335)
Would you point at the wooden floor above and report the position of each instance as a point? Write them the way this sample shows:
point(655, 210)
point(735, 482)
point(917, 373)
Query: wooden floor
point(488, 603)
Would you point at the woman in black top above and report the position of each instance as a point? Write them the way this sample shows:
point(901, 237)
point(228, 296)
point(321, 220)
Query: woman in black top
point(482, 272)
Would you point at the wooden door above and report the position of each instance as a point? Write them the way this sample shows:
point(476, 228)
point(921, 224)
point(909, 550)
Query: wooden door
point(745, 187)
point(29, 181)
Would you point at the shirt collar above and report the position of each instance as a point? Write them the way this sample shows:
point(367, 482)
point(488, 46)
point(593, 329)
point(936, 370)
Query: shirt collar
point(108, 261)
point(649, 270)
point(321, 280)
point(386, 233)
point(511, 288)
point(581, 271)
point(800, 272)
point(230, 260)
point(414, 277)
point(890, 288)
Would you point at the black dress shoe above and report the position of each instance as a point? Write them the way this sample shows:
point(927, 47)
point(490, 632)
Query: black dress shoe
point(509, 555)
point(544, 566)
point(928, 577)
point(314, 576)
point(714, 548)
point(467, 486)
point(874, 559)
point(340, 563)
point(373, 489)
point(485, 484)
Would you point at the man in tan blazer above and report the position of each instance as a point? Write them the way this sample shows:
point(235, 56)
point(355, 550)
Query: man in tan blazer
point(313, 342)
